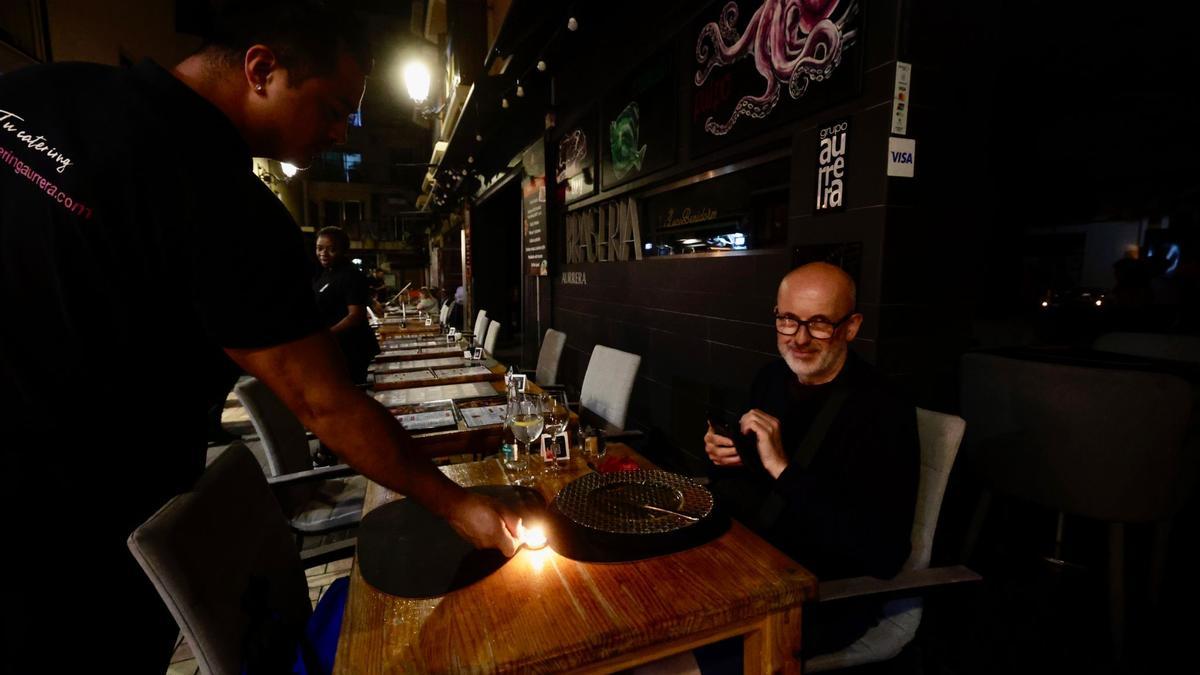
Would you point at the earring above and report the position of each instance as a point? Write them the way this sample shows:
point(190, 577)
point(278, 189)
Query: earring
point(258, 88)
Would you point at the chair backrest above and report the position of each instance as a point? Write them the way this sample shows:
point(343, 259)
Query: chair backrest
point(225, 564)
point(489, 344)
point(1106, 443)
point(549, 357)
point(479, 320)
point(283, 437)
point(608, 383)
point(481, 326)
point(445, 312)
point(940, 437)
point(1151, 345)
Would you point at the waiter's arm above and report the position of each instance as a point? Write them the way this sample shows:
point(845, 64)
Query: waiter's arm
point(355, 315)
point(310, 377)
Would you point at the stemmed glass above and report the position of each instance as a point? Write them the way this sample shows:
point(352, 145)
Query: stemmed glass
point(556, 414)
point(524, 418)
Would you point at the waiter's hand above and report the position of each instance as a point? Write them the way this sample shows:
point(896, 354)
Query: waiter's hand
point(486, 523)
point(720, 449)
point(770, 442)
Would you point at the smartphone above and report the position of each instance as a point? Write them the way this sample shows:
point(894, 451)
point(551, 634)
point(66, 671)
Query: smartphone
point(746, 444)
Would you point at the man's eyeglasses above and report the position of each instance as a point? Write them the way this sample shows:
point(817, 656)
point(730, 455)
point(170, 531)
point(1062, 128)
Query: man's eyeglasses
point(819, 328)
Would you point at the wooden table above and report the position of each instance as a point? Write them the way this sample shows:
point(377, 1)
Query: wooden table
point(545, 613)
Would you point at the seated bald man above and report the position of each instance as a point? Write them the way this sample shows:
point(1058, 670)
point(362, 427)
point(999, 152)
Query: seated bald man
point(828, 465)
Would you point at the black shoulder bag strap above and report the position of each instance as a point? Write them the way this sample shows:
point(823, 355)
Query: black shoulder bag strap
point(802, 456)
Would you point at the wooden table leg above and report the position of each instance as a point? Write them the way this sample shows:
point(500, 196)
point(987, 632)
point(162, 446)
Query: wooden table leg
point(773, 647)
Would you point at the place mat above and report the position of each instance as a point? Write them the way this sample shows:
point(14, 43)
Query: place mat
point(594, 518)
point(428, 421)
point(393, 366)
point(397, 397)
point(391, 345)
point(483, 416)
point(408, 376)
point(467, 371)
point(405, 550)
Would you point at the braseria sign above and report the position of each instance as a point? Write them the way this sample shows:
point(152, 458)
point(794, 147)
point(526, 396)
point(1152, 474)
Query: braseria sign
point(604, 233)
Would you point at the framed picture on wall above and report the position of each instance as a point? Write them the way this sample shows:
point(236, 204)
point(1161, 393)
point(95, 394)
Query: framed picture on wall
point(814, 60)
point(638, 123)
point(576, 168)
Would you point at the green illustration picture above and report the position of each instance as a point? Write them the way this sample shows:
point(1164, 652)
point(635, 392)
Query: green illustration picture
point(623, 140)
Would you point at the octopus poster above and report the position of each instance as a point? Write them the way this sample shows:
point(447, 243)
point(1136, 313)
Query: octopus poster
point(760, 64)
point(638, 125)
point(576, 169)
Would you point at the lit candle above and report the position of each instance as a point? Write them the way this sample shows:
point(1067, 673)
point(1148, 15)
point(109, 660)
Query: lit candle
point(533, 537)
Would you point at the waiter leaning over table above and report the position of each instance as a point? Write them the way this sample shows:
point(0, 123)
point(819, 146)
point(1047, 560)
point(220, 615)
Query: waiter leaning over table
point(109, 180)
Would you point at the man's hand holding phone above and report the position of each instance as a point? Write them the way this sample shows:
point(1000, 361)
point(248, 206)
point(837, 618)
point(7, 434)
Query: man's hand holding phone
point(719, 446)
point(726, 445)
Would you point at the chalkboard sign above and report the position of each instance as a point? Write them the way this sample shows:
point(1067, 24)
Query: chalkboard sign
point(533, 224)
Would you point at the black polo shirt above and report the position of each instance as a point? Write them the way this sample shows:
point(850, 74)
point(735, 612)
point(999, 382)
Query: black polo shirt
point(336, 289)
point(135, 243)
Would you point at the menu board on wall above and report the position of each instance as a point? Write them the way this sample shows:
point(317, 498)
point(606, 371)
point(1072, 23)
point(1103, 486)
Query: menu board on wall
point(756, 67)
point(576, 170)
point(638, 123)
point(533, 224)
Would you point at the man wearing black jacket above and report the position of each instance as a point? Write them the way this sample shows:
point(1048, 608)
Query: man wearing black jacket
point(826, 463)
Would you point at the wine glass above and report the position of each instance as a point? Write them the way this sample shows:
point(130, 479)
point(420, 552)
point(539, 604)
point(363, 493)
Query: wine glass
point(525, 420)
point(556, 414)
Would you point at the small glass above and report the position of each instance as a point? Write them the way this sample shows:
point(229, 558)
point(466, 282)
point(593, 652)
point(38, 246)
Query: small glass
point(557, 415)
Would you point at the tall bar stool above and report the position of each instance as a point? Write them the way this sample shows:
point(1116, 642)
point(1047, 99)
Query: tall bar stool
point(1114, 445)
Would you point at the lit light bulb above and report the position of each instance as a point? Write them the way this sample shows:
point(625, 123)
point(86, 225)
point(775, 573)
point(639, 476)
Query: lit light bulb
point(572, 24)
point(478, 138)
point(417, 77)
point(504, 103)
point(289, 170)
point(520, 91)
point(541, 66)
point(471, 159)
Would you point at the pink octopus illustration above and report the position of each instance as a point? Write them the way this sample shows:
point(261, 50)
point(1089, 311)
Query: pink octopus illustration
point(792, 41)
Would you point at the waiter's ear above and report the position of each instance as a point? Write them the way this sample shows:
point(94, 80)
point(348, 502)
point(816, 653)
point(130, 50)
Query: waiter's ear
point(259, 66)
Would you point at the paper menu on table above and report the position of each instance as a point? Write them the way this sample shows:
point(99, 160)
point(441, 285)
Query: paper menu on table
point(484, 415)
point(427, 420)
point(410, 376)
point(445, 373)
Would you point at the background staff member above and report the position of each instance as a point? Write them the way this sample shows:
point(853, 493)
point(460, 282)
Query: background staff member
point(342, 298)
point(157, 158)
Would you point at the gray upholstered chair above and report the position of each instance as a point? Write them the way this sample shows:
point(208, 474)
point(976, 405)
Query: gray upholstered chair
point(940, 436)
point(479, 328)
point(493, 332)
point(1109, 444)
point(549, 357)
point(219, 550)
point(608, 384)
point(313, 507)
point(1170, 347)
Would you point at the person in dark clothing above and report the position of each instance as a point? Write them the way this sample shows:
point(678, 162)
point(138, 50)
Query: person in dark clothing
point(827, 461)
point(342, 300)
point(111, 179)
